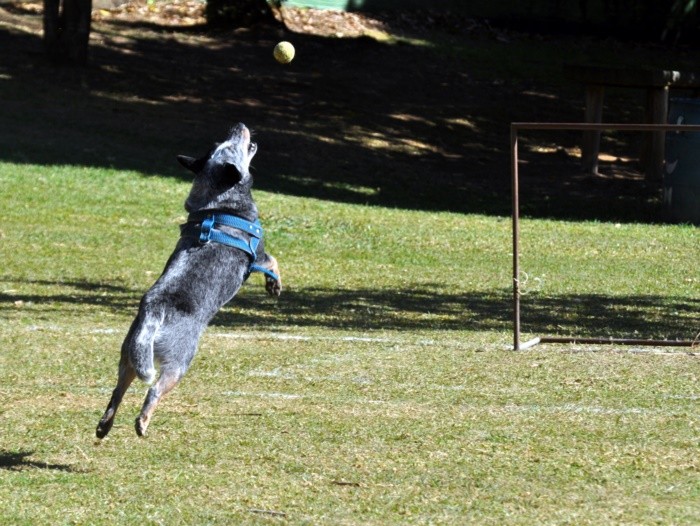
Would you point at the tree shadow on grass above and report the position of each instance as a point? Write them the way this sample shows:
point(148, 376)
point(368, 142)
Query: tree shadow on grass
point(427, 308)
point(424, 308)
point(21, 461)
point(350, 120)
point(68, 297)
point(600, 315)
point(344, 129)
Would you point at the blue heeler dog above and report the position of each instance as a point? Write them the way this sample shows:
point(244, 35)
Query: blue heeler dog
point(220, 245)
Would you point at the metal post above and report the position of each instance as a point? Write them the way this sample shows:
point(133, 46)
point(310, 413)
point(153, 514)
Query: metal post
point(516, 237)
point(619, 341)
point(586, 127)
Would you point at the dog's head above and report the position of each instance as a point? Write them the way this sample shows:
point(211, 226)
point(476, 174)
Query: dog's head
point(222, 178)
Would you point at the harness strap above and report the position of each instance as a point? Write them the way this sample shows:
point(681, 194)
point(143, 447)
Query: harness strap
point(254, 229)
point(266, 271)
point(202, 225)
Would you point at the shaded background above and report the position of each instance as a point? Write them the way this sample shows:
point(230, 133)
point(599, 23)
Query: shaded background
point(406, 108)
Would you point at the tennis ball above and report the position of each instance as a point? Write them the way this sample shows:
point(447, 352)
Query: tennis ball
point(283, 52)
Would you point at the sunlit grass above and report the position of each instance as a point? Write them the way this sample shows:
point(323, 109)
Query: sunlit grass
point(376, 390)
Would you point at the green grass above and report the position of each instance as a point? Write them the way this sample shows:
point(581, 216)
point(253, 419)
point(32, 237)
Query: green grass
point(377, 390)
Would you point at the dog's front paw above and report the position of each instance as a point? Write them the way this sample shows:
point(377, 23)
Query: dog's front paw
point(273, 286)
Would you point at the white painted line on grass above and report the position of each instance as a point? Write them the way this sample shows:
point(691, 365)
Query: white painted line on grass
point(563, 409)
point(297, 337)
point(284, 396)
point(577, 408)
point(453, 344)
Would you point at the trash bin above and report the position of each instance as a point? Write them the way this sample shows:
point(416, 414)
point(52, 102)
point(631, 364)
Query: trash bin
point(682, 167)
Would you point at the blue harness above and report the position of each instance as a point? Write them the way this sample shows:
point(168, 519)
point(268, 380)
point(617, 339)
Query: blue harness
point(202, 225)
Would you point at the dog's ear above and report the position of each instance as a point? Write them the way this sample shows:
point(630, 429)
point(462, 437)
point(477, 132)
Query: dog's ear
point(192, 164)
point(232, 173)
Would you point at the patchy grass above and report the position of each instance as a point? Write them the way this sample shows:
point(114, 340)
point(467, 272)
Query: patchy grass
point(377, 390)
point(617, 280)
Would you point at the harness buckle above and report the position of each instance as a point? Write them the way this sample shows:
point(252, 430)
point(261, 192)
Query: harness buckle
point(206, 228)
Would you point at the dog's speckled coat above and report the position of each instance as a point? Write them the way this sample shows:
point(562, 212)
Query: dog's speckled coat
point(197, 281)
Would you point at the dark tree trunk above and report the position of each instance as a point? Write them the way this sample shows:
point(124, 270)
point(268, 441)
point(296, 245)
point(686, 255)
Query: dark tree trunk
point(67, 30)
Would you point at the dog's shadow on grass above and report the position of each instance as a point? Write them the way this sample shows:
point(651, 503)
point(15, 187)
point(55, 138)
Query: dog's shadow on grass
point(21, 461)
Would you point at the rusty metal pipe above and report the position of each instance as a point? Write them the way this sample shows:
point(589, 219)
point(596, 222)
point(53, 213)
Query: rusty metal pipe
point(619, 341)
point(516, 237)
point(561, 126)
point(602, 126)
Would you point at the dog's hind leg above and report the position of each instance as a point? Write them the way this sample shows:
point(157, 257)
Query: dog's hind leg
point(169, 378)
point(126, 376)
point(139, 342)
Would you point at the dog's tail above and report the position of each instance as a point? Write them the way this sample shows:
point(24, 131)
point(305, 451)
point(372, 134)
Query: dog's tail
point(139, 343)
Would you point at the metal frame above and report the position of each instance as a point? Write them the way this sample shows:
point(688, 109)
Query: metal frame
point(586, 127)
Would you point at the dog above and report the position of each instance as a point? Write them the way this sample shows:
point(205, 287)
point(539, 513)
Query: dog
point(219, 246)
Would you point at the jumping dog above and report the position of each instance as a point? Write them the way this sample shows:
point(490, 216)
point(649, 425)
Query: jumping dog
point(220, 245)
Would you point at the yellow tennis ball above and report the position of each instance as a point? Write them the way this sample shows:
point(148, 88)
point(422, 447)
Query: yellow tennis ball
point(283, 52)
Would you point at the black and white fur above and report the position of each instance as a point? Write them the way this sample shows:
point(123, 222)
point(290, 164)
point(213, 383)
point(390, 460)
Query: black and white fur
point(197, 281)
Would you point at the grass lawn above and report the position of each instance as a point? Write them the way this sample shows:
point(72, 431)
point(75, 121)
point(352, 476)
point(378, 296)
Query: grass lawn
point(379, 389)
point(376, 390)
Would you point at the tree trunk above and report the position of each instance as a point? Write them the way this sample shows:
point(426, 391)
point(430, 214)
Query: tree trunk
point(67, 30)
